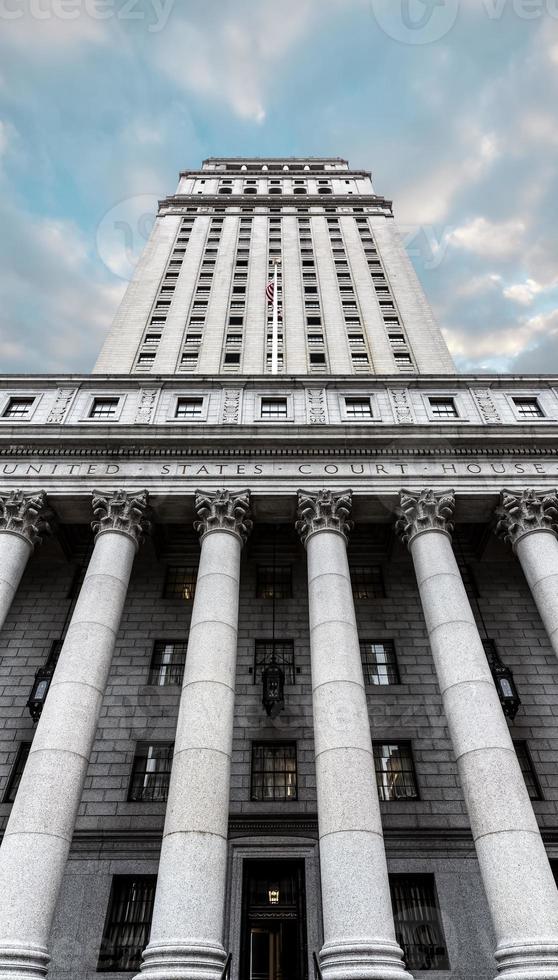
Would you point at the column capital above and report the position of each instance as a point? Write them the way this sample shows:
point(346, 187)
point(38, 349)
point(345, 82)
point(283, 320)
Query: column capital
point(522, 511)
point(121, 511)
point(324, 510)
point(223, 510)
point(424, 510)
point(26, 514)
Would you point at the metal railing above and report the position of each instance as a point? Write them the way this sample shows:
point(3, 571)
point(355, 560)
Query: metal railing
point(317, 970)
point(225, 975)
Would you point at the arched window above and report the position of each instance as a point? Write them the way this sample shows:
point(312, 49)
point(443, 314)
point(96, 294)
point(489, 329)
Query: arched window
point(225, 190)
point(300, 190)
point(275, 190)
point(324, 190)
point(250, 190)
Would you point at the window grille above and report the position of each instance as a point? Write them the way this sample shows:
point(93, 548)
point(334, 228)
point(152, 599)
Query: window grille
point(151, 772)
point(528, 408)
point(18, 408)
point(379, 662)
point(443, 408)
point(180, 582)
point(128, 923)
point(395, 771)
point(367, 582)
point(104, 408)
point(167, 663)
point(274, 775)
point(418, 925)
point(274, 583)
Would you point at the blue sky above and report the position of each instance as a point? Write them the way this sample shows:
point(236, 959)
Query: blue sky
point(451, 103)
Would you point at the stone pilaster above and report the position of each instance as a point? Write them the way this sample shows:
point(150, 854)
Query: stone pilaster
point(24, 519)
point(528, 520)
point(188, 919)
point(37, 839)
point(359, 934)
point(519, 884)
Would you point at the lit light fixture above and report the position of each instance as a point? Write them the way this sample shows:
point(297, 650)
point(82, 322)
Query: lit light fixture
point(42, 681)
point(503, 680)
point(273, 895)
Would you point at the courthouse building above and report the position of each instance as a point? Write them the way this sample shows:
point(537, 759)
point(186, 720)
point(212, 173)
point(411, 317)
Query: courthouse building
point(279, 594)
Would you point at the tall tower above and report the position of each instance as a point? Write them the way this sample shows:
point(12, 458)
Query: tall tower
point(349, 299)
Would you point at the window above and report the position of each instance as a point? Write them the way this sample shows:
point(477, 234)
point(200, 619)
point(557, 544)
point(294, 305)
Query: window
point(273, 408)
point(232, 357)
point(273, 771)
point(274, 582)
point(528, 770)
point(146, 359)
point(358, 408)
point(395, 771)
point(18, 408)
point(418, 925)
point(283, 651)
point(151, 772)
point(17, 772)
point(104, 408)
point(528, 408)
point(128, 923)
point(379, 662)
point(167, 663)
point(367, 582)
point(443, 408)
point(180, 582)
point(189, 408)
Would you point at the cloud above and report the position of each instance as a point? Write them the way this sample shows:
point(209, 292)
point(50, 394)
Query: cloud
point(488, 239)
point(523, 293)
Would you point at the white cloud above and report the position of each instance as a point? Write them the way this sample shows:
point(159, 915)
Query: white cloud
point(488, 239)
point(523, 293)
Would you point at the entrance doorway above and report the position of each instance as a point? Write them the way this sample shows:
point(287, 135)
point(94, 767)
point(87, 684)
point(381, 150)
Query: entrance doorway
point(274, 943)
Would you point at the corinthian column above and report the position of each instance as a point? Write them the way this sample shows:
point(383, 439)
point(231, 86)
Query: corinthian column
point(519, 884)
point(528, 521)
point(24, 517)
point(187, 931)
point(37, 840)
point(359, 932)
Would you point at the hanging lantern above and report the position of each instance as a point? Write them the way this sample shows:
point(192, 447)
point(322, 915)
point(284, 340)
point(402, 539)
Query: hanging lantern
point(39, 690)
point(503, 679)
point(273, 894)
point(273, 680)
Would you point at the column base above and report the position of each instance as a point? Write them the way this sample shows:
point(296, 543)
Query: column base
point(367, 960)
point(182, 961)
point(19, 962)
point(528, 961)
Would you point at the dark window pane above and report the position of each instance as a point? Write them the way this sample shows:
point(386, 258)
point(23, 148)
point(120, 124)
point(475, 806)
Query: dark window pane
point(528, 770)
point(367, 582)
point(18, 408)
point(103, 408)
point(151, 772)
point(128, 923)
point(274, 582)
point(180, 582)
point(284, 656)
point(395, 771)
point(17, 772)
point(274, 775)
point(443, 408)
point(167, 663)
point(379, 662)
point(528, 408)
point(417, 920)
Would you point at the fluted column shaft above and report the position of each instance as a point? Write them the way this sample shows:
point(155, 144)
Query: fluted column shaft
point(519, 884)
point(23, 519)
point(359, 931)
point(187, 930)
point(37, 840)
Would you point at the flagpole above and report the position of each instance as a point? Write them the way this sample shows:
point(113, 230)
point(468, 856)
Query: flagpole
point(275, 329)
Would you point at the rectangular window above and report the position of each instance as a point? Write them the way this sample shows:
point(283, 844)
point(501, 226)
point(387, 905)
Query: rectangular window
point(180, 582)
point(273, 408)
point(104, 408)
point(379, 662)
point(18, 408)
point(528, 769)
point(358, 408)
point(395, 771)
point(443, 408)
point(367, 582)
point(17, 772)
point(274, 582)
point(528, 408)
point(232, 357)
point(189, 408)
point(151, 772)
point(167, 663)
point(273, 771)
point(128, 923)
point(418, 925)
point(283, 653)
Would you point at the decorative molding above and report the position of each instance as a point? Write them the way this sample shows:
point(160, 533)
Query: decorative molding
point(26, 514)
point(521, 512)
point(324, 510)
point(486, 405)
point(424, 510)
point(230, 406)
point(223, 510)
point(146, 405)
point(401, 406)
point(61, 405)
point(316, 412)
point(123, 511)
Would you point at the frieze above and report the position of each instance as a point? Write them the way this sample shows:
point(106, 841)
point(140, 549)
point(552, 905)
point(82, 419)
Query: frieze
point(316, 406)
point(61, 405)
point(401, 406)
point(487, 407)
point(146, 405)
point(230, 410)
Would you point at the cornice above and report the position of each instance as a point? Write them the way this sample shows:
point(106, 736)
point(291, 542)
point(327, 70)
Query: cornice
point(275, 200)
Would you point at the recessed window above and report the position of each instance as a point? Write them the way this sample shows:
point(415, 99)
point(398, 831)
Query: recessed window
point(358, 408)
point(232, 357)
point(189, 408)
point(281, 651)
point(379, 662)
point(146, 359)
point(17, 772)
point(104, 408)
point(367, 582)
point(418, 925)
point(274, 582)
point(167, 663)
point(443, 408)
point(180, 582)
point(317, 357)
point(128, 923)
point(274, 771)
point(528, 769)
point(151, 772)
point(274, 408)
point(395, 771)
point(528, 408)
point(18, 408)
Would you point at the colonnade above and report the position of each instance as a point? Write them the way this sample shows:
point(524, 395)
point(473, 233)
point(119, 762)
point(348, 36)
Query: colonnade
point(188, 921)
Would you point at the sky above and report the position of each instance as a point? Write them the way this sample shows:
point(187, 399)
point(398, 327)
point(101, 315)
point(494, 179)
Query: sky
point(452, 104)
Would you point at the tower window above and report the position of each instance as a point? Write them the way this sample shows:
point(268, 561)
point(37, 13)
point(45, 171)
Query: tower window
point(17, 772)
point(379, 662)
point(418, 925)
point(274, 775)
point(151, 772)
point(128, 923)
point(167, 663)
point(18, 408)
point(443, 408)
point(395, 771)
